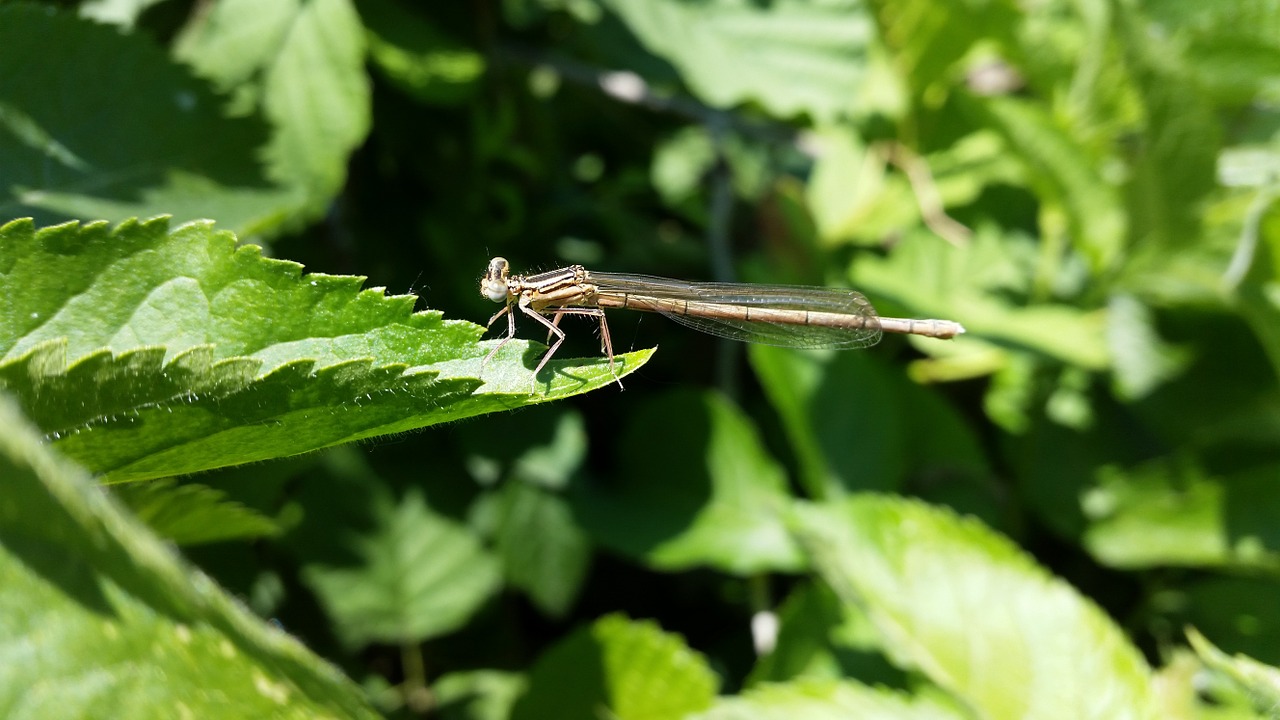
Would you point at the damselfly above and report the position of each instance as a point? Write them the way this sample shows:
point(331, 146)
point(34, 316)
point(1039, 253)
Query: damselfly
point(786, 315)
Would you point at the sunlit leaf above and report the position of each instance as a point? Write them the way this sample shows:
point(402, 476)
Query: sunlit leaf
point(790, 58)
point(144, 352)
point(966, 608)
point(1260, 681)
point(829, 700)
point(629, 669)
point(821, 638)
point(301, 66)
point(84, 586)
point(1174, 513)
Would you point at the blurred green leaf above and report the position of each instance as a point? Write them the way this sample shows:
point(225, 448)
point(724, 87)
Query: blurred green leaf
point(551, 447)
point(1172, 512)
point(301, 66)
point(821, 638)
point(1227, 47)
point(193, 514)
point(418, 57)
point(144, 352)
point(970, 284)
point(855, 425)
point(625, 669)
point(973, 613)
point(1261, 682)
point(477, 694)
point(851, 194)
point(101, 619)
point(543, 551)
point(707, 495)
point(829, 700)
point(116, 12)
point(1060, 172)
point(116, 130)
point(418, 575)
point(1142, 360)
point(928, 37)
point(1259, 293)
point(790, 58)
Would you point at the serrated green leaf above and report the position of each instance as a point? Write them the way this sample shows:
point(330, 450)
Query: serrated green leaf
point(193, 514)
point(1261, 682)
point(420, 575)
point(144, 352)
point(791, 58)
point(973, 613)
point(301, 64)
point(829, 700)
point(711, 497)
point(117, 130)
point(99, 619)
point(629, 669)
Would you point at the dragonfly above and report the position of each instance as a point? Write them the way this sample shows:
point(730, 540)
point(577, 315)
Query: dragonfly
point(796, 316)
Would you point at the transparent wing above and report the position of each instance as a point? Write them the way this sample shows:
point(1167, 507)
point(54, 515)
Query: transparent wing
point(799, 298)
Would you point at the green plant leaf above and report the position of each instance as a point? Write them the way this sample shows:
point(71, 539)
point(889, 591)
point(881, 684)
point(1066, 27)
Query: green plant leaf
point(418, 57)
point(477, 694)
point(1259, 293)
point(1172, 512)
point(144, 352)
point(857, 425)
point(965, 607)
point(417, 575)
point(193, 514)
point(301, 65)
point(829, 700)
point(791, 58)
point(123, 13)
point(101, 619)
point(77, 144)
point(968, 284)
point(710, 497)
point(928, 38)
point(1060, 172)
point(627, 669)
point(543, 551)
point(821, 638)
point(1259, 681)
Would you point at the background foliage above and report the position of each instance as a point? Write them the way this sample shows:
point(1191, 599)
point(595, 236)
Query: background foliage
point(1071, 511)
